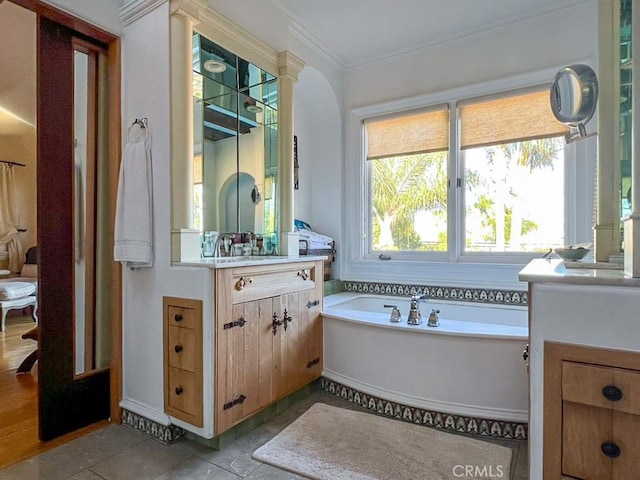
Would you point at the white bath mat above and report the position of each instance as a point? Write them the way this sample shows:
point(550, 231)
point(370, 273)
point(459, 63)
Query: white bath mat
point(333, 443)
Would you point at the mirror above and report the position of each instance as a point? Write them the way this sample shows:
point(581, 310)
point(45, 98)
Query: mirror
point(92, 328)
point(625, 73)
point(574, 94)
point(235, 142)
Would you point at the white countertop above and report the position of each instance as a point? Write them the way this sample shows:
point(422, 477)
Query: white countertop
point(559, 271)
point(246, 261)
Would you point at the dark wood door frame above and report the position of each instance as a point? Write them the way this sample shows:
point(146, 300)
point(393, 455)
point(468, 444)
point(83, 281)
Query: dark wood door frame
point(49, 270)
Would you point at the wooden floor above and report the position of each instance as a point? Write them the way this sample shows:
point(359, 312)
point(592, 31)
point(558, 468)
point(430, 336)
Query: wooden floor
point(19, 397)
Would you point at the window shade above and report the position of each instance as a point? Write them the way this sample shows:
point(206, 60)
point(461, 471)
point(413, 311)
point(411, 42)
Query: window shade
point(423, 132)
point(508, 119)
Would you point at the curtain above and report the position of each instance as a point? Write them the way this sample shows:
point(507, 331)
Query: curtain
point(9, 217)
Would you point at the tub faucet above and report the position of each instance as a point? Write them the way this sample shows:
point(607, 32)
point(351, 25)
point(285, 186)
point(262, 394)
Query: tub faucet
point(415, 318)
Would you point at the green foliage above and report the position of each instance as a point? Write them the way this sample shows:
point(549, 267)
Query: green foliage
point(404, 234)
point(403, 186)
point(486, 206)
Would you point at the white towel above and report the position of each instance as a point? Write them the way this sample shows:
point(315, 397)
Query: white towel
point(133, 245)
point(317, 241)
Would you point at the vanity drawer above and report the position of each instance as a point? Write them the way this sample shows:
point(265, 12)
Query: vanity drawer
point(605, 387)
point(184, 394)
point(182, 362)
point(252, 283)
point(180, 316)
point(182, 349)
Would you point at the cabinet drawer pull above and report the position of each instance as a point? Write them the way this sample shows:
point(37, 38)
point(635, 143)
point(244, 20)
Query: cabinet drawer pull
point(177, 348)
point(610, 449)
point(313, 362)
point(237, 401)
point(313, 304)
point(304, 274)
point(612, 393)
point(177, 317)
point(243, 282)
point(238, 323)
point(179, 390)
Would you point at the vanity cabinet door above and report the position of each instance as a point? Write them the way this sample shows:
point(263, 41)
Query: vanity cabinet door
point(297, 351)
point(244, 362)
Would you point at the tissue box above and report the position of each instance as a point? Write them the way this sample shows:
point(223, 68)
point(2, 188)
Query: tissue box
point(289, 244)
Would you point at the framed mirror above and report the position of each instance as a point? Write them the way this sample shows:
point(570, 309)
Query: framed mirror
point(235, 109)
point(574, 95)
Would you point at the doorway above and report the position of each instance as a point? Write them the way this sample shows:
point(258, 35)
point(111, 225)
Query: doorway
point(77, 93)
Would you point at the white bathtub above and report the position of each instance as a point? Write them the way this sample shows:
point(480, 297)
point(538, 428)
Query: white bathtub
point(471, 365)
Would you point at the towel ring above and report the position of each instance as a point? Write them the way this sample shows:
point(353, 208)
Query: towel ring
point(142, 123)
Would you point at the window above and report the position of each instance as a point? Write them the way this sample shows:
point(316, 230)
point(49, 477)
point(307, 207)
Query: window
point(496, 185)
point(513, 157)
point(407, 158)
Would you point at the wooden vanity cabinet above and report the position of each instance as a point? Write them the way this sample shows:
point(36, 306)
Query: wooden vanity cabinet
point(258, 360)
point(592, 413)
point(183, 382)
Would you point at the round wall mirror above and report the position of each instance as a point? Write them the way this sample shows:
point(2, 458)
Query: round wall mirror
point(574, 95)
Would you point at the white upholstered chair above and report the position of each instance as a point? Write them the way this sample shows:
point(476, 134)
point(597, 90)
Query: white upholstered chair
point(20, 292)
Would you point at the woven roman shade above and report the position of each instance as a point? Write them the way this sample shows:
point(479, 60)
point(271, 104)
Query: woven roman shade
point(423, 132)
point(516, 118)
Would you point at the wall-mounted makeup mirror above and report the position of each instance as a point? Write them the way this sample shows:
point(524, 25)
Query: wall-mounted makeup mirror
point(574, 95)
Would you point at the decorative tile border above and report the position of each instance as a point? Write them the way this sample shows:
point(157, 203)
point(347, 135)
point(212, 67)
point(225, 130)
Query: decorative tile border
point(166, 434)
point(471, 425)
point(483, 295)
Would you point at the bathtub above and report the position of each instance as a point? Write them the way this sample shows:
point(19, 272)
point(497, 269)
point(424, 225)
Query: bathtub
point(471, 365)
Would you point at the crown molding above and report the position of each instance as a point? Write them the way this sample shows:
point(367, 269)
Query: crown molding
point(299, 32)
point(133, 10)
point(313, 43)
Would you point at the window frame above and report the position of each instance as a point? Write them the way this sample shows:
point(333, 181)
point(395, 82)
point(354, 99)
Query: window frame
point(362, 263)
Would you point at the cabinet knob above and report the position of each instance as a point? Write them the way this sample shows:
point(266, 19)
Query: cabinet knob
point(610, 449)
point(177, 348)
point(304, 274)
point(177, 317)
point(612, 393)
point(243, 282)
point(179, 390)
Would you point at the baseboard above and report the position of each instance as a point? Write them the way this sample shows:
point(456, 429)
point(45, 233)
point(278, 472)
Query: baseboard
point(147, 420)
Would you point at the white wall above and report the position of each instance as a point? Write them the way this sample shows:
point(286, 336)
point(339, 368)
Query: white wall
point(18, 109)
point(146, 94)
point(318, 126)
point(498, 55)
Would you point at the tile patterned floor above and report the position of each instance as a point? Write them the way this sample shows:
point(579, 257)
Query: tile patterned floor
point(118, 452)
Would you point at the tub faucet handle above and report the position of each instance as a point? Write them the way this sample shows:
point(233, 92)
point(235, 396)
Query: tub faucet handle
point(434, 320)
point(396, 316)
